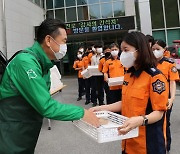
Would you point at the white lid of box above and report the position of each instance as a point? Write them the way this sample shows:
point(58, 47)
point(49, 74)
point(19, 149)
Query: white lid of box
point(115, 81)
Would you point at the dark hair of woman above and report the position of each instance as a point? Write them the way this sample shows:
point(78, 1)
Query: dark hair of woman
point(145, 58)
point(114, 45)
point(160, 43)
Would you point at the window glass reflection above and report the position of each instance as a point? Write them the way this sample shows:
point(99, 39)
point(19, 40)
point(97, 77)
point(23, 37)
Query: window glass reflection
point(118, 8)
point(58, 3)
point(70, 3)
point(49, 4)
point(93, 1)
point(71, 14)
point(94, 11)
point(50, 14)
point(83, 13)
point(81, 2)
point(59, 14)
point(106, 10)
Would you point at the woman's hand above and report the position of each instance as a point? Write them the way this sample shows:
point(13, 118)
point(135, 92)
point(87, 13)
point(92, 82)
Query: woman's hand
point(130, 124)
point(170, 103)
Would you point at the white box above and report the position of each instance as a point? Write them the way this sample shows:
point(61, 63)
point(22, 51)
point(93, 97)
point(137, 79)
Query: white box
point(85, 74)
point(94, 71)
point(107, 132)
point(91, 71)
point(55, 79)
point(115, 81)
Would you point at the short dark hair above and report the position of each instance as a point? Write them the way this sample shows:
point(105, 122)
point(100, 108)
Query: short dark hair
point(106, 47)
point(113, 45)
point(145, 58)
point(49, 27)
point(160, 43)
point(150, 39)
point(98, 45)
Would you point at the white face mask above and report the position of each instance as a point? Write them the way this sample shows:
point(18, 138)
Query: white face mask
point(99, 50)
point(62, 50)
point(114, 53)
point(93, 49)
point(79, 56)
point(81, 50)
point(158, 53)
point(127, 59)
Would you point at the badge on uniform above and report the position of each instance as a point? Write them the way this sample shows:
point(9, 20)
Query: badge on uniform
point(158, 86)
point(174, 69)
point(31, 74)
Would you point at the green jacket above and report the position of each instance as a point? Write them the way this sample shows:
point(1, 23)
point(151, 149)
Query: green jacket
point(28, 75)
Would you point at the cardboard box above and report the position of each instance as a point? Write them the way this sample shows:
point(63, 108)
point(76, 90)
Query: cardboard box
point(116, 81)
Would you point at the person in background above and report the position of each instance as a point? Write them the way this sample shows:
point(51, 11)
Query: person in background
point(168, 68)
point(144, 98)
point(24, 92)
point(97, 81)
point(113, 68)
point(150, 39)
point(102, 60)
point(78, 66)
point(87, 81)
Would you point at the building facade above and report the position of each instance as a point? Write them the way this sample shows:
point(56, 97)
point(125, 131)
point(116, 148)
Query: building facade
point(17, 21)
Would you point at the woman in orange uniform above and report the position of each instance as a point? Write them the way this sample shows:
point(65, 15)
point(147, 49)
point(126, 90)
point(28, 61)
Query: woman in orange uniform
point(168, 68)
point(79, 66)
point(144, 85)
point(107, 54)
point(113, 68)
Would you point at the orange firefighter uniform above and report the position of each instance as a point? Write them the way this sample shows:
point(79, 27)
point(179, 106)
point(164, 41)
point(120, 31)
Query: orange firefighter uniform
point(114, 68)
point(141, 94)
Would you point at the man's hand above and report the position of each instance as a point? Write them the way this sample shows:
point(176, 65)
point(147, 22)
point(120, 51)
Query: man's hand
point(91, 118)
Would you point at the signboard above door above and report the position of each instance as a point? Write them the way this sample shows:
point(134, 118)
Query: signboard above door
point(101, 25)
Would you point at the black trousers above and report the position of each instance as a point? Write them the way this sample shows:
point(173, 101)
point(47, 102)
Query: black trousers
point(168, 131)
point(88, 89)
point(115, 96)
point(81, 86)
point(97, 83)
point(107, 91)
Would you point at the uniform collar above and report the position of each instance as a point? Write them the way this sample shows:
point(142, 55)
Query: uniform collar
point(134, 72)
point(38, 50)
point(162, 59)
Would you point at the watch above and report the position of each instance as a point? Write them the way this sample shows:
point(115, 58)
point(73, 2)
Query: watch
point(145, 121)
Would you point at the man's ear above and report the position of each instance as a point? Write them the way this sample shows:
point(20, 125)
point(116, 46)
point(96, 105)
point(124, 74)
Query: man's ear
point(47, 40)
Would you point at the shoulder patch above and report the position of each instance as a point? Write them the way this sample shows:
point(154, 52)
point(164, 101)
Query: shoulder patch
point(170, 60)
point(153, 71)
point(158, 86)
point(174, 69)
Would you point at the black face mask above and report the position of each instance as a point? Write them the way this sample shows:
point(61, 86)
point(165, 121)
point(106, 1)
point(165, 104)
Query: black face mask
point(107, 54)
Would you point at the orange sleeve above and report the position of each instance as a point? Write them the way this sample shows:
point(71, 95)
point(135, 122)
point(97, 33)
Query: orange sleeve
point(106, 67)
point(85, 62)
point(75, 64)
point(173, 72)
point(167, 54)
point(159, 92)
point(101, 63)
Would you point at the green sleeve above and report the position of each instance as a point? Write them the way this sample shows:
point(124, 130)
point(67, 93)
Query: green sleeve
point(27, 77)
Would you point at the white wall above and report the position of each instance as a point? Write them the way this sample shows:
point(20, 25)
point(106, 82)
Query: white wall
point(21, 17)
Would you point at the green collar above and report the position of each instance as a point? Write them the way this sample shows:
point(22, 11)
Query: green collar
point(38, 50)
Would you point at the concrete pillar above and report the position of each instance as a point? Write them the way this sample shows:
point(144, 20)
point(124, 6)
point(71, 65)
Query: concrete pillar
point(129, 7)
point(3, 44)
point(145, 17)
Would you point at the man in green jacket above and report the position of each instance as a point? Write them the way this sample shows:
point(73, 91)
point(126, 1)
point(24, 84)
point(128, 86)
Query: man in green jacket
point(24, 92)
